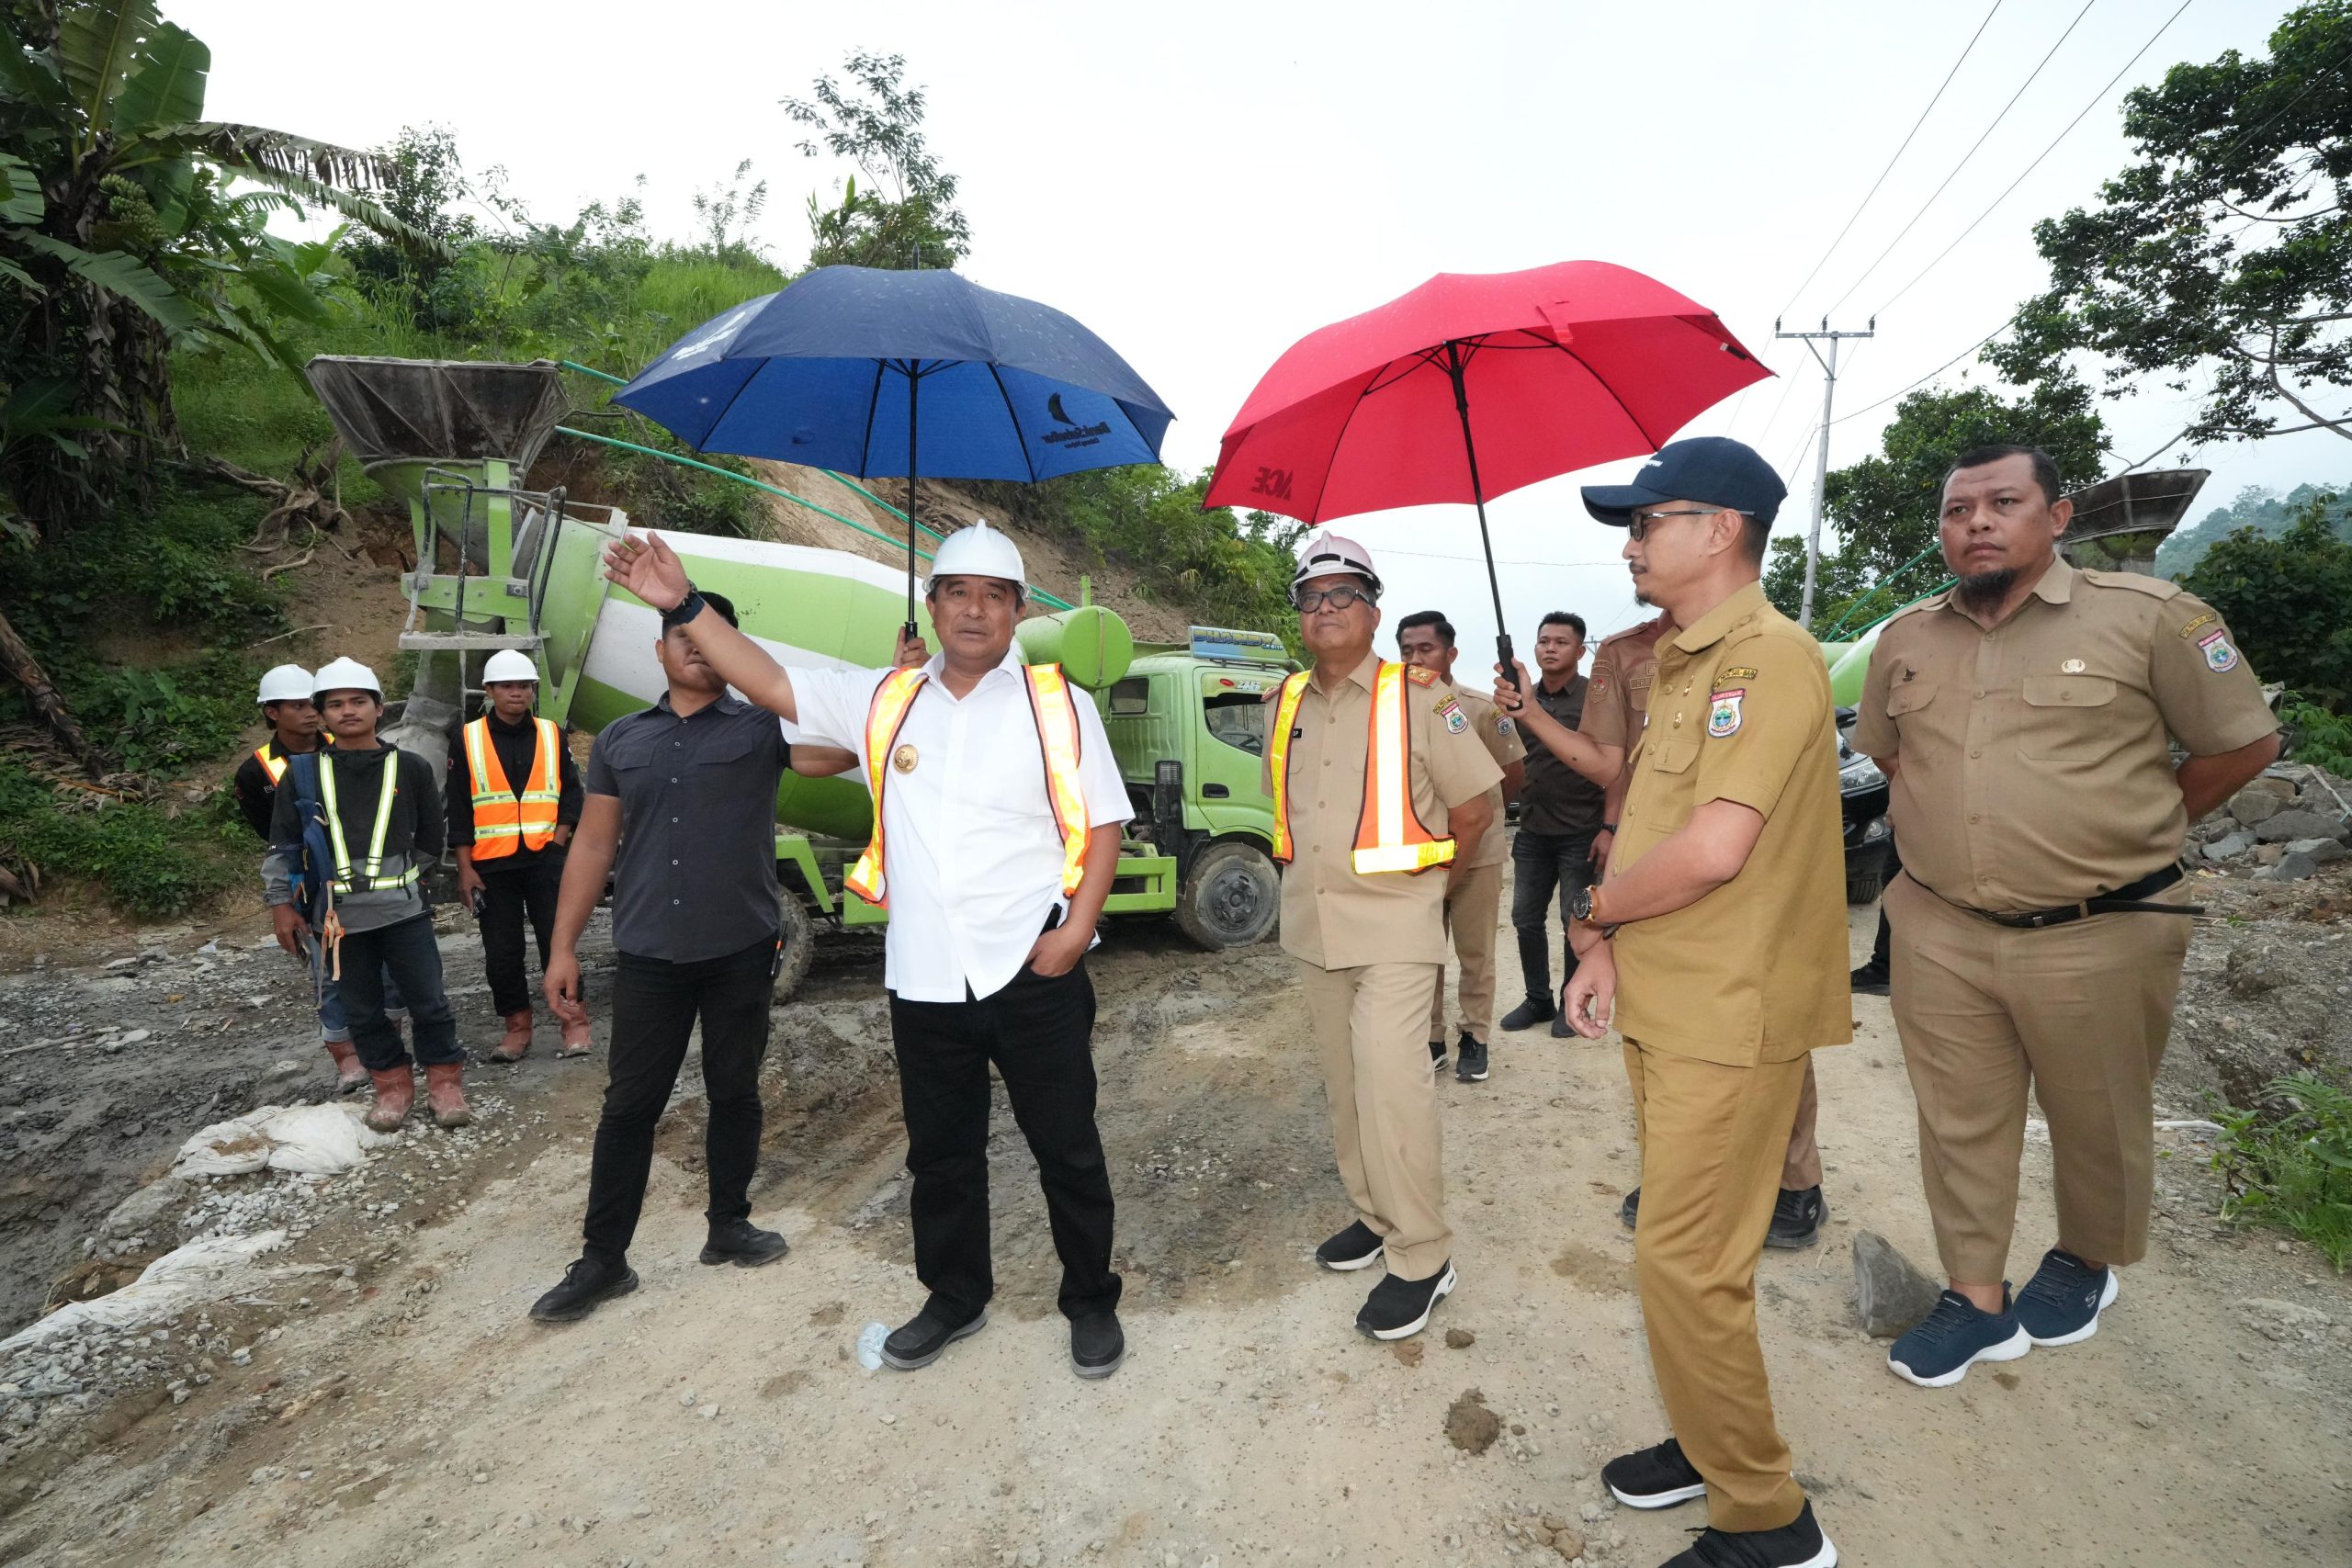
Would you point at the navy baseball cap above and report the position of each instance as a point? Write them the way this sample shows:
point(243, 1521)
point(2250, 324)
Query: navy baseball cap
point(1712, 468)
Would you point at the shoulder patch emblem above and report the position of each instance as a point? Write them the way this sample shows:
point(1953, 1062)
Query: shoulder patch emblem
point(1503, 725)
point(1456, 721)
point(2219, 656)
point(1737, 672)
point(1420, 677)
point(1599, 684)
point(1723, 712)
point(2207, 619)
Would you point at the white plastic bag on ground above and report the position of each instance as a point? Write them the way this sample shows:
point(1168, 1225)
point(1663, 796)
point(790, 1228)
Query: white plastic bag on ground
point(201, 1271)
point(310, 1140)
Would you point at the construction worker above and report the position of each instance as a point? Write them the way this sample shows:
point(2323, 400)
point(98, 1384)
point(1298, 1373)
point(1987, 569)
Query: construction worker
point(681, 815)
point(997, 819)
point(2024, 719)
point(513, 795)
point(357, 823)
point(1716, 943)
point(1615, 703)
point(1473, 899)
point(1377, 782)
point(1559, 812)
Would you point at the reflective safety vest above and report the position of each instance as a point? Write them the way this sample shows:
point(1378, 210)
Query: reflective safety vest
point(368, 877)
point(1389, 835)
point(273, 763)
point(503, 819)
point(1050, 705)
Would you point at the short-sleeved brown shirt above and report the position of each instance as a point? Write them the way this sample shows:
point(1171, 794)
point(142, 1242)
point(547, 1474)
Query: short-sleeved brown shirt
point(1623, 669)
point(1332, 917)
point(1500, 736)
point(1755, 970)
point(2033, 768)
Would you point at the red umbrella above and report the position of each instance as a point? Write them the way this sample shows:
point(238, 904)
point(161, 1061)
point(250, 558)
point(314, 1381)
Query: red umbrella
point(1565, 365)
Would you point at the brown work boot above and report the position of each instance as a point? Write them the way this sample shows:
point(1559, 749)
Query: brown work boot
point(577, 1039)
point(445, 1091)
point(395, 1092)
point(516, 1040)
point(349, 1074)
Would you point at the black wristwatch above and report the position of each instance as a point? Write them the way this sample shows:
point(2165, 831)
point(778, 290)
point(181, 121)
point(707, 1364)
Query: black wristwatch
point(1580, 906)
point(685, 610)
point(1604, 827)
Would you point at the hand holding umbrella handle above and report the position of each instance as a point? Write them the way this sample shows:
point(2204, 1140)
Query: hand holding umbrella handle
point(1509, 667)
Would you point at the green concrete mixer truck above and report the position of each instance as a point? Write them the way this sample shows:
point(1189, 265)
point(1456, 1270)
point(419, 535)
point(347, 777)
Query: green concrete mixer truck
point(501, 567)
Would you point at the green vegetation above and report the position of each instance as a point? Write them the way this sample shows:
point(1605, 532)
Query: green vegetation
point(2289, 1164)
point(2285, 601)
point(151, 863)
point(2266, 513)
point(2320, 737)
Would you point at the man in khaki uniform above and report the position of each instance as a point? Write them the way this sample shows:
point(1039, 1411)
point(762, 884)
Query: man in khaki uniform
point(2024, 718)
point(1614, 705)
point(1717, 942)
point(1371, 790)
point(1472, 900)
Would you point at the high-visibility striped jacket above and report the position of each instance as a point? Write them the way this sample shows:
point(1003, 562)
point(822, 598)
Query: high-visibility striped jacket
point(511, 754)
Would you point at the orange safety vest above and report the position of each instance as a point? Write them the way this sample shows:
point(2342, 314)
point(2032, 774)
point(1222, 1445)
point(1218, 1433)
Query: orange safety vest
point(274, 763)
point(1389, 835)
point(503, 819)
point(1057, 742)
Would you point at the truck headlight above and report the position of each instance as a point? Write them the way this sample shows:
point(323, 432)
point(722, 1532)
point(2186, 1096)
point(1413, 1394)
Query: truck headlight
point(1860, 773)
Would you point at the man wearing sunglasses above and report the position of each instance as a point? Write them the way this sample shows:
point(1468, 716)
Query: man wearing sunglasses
point(1716, 944)
point(1375, 777)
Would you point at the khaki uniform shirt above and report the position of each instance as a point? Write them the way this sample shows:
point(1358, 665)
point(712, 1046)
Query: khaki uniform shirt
point(1755, 970)
point(1500, 736)
point(1623, 669)
point(1332, 918)
point(2032, 764)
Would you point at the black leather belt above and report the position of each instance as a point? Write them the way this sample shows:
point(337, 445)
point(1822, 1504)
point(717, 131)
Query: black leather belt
point(2131, 899)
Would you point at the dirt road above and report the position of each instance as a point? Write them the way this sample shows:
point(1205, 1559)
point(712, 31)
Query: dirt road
point(406, 1413)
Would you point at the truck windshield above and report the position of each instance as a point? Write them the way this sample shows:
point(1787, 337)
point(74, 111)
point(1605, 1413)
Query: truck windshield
point(1239, 719)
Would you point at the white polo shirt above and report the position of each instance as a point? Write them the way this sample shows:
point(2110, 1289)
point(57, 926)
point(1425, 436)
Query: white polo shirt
point(972, 855)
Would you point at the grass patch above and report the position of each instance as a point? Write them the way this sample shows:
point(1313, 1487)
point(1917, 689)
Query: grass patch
point(2289, 1164)
point(150, 862)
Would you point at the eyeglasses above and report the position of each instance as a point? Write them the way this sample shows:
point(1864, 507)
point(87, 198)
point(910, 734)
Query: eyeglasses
point(1311, 600)
point(1638, 524)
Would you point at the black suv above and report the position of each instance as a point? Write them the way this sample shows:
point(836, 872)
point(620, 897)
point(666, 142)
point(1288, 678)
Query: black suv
point(1863, 792)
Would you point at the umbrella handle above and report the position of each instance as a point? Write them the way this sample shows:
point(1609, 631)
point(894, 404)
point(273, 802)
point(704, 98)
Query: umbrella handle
point(1509, 665)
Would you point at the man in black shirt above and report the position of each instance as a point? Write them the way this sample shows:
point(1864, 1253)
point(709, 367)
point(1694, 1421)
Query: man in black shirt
point(681, 811)
point(514, 795)
point(1559, 812)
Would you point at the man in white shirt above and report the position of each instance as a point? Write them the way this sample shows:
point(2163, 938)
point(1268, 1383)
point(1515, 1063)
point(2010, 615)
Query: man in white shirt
point(998, 814)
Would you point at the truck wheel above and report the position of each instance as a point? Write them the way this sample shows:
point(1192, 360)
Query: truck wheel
point(1231, 897)
point(1861, 887)
point(799, 939)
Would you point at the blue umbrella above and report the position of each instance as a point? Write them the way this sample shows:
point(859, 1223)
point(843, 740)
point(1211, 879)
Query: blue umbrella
point(876, 372)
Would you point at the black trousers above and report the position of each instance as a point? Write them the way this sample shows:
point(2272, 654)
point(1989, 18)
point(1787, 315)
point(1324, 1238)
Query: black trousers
point(655, 1006)
point(407, 955)
point(1880, 953)
point(1540, 865)
point(1040, 1034)
point(509, 896)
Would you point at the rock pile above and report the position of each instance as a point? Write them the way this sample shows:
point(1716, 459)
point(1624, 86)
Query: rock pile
point(2282, 827)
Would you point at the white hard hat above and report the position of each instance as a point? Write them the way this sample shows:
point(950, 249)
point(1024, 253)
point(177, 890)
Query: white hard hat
point(345, 675)
point(981, 551)
point(509, 664)
point(1327, 553)
point(286, 683)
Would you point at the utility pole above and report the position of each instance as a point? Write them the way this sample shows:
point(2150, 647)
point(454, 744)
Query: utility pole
point(1821, 462)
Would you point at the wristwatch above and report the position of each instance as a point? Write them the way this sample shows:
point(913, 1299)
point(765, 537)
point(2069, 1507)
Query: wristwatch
point(1580, 906)
point(685, 610)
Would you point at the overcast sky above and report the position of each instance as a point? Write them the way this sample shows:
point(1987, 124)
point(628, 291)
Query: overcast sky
point(1203, 183)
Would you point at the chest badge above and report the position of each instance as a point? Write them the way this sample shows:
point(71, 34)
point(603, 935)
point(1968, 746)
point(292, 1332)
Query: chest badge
point(1723, 712)
point(905, 758)
point(2072, 666)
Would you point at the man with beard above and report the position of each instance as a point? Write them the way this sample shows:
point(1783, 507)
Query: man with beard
point(2024, 719)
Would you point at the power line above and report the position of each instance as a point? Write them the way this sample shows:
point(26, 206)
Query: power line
point(1967, 156)
point(2044, 153)
point(1896, 159)
point(1440, 555)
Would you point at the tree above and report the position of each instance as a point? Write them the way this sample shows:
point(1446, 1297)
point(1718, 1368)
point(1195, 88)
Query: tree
point(1884, 507)
point(2221, 262)
point(2264, 511)
point(424, 179)
point(2284, 599)
point(906, 214)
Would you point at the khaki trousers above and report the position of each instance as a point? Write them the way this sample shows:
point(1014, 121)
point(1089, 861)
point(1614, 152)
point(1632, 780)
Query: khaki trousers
point(1713, 1140)
point(1800, 1165)
point(1473, 913)
point(1367, 1024)
point(2081, 1013)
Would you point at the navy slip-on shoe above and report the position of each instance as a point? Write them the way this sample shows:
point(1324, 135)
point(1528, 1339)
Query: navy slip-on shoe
point(1954, 1337)
point(2060, 1305)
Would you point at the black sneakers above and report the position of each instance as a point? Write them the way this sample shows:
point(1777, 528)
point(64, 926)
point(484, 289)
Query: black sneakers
point(1097, 1345)
point(1653, 1478)
point(923, 1341)
point(587, 1285)
point(743, 1244)
point(1437, 1055)
point(1528, 1014)
point(1797, 1219)
point(1470, 1065)
point(1398, 1308)
point(1797, 1544)
point(1358, 1247)
point(1870, 980)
